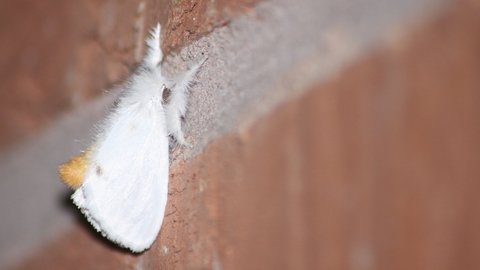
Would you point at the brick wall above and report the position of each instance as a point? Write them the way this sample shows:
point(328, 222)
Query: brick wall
point(356, 152)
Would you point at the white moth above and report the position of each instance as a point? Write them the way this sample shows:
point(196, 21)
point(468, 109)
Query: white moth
point(121, 181)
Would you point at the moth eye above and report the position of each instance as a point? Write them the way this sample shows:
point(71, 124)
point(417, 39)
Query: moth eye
point(166, 95)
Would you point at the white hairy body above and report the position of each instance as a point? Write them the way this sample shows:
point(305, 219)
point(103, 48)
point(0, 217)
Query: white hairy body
point(125, 185)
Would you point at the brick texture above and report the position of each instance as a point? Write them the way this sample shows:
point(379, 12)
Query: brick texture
point(57, 55)
point(375, 169)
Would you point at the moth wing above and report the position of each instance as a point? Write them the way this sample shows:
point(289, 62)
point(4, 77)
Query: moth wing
point(125, 190)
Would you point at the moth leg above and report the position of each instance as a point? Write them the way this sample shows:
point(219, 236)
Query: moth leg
point(154, 53)
point(177, 106)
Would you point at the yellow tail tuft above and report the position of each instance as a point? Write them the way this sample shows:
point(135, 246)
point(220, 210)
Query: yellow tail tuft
point(72, 172)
